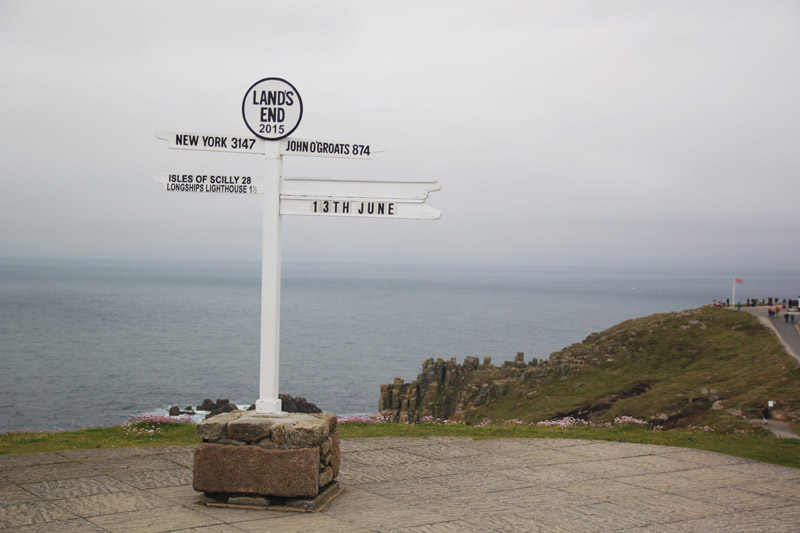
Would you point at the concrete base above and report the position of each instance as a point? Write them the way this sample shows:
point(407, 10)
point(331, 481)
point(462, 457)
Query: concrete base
point(273, 503)
point(256, 458)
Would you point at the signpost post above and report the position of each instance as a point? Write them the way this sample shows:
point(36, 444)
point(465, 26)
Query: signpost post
point(272, 110)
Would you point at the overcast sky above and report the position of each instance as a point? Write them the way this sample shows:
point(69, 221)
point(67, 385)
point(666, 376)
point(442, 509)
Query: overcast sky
point(562, 132)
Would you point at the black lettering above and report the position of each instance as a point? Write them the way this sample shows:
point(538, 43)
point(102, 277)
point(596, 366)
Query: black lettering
point(391, 209)
point(289, 100)
point(381, 207)
point(371, 208)
point(361, 209)
point(345, 207)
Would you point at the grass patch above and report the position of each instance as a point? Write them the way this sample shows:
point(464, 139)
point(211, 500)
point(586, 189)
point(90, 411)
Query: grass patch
point(754, 444)
point(147, 430)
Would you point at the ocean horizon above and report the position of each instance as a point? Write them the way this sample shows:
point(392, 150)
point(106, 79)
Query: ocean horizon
point(89, 343)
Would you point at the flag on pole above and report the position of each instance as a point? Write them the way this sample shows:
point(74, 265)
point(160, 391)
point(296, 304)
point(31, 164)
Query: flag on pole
point(738, 280)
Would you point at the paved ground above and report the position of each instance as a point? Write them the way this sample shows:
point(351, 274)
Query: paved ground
point(419, 485)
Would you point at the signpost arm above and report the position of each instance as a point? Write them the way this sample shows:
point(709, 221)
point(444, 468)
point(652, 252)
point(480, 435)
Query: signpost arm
point(269, 401)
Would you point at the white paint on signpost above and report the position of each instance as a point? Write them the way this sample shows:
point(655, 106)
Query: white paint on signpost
point(268, 400)
point(272, 109)
point(211, 183)
point(316, 148)
point(212, 142)
point(358, 188)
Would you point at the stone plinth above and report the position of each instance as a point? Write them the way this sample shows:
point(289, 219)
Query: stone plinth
point(245, 454)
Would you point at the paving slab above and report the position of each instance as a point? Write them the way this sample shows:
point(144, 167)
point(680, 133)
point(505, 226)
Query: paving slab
point(31, 513)
point(165, 519)
point(418, 485)
point(74, 488)
point(112, 503)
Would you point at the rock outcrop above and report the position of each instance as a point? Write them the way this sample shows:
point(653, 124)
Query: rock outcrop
point(297, 404)
point(290, 404)
point(177, 411)
point(450, 391)
point(220, 407)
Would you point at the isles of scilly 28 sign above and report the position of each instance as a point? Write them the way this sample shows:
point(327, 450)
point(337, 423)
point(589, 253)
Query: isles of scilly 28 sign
point(272, 108)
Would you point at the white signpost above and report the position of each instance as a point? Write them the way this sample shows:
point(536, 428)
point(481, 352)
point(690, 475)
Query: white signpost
point(272, 110)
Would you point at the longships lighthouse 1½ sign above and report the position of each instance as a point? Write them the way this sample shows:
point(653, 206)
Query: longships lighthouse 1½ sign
point(272, 110)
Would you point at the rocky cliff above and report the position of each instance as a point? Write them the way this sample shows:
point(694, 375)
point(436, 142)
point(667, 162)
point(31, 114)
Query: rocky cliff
point(450, 391)
point(672, 369)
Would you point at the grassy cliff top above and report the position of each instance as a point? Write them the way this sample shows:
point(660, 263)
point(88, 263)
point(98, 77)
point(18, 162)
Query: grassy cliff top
point(701, 366)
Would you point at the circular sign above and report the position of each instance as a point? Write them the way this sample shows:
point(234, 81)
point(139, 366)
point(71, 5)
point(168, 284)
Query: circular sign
point(272, 108)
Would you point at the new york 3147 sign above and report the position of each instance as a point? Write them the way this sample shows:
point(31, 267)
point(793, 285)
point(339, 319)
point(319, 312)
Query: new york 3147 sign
point(272, 110)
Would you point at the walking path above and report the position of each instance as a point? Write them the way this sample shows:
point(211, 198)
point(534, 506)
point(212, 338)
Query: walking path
point(780, 428)
point(790, 338)
point(787, 332)
point(419, 485)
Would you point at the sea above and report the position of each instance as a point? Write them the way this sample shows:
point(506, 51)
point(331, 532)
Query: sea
point(87, 344)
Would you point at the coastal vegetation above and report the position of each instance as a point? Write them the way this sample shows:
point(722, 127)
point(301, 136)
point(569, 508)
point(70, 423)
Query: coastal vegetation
point(701, 367)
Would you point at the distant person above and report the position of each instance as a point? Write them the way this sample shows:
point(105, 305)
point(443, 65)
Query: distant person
point(786, 317)
point(770, 312)
point(739, 305)
point(777, 311)
point(765, 414)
